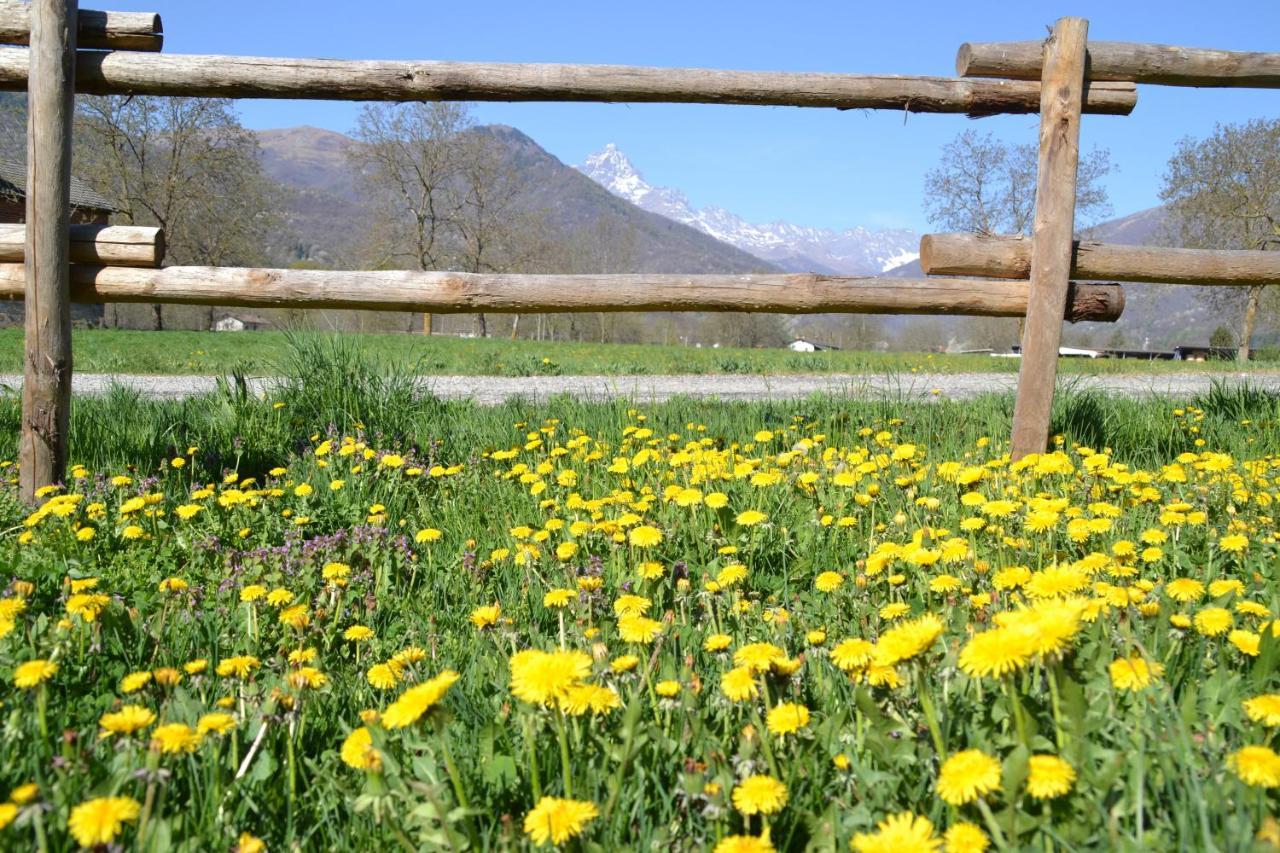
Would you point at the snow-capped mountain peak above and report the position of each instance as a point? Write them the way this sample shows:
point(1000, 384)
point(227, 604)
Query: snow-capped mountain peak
point(854, 251)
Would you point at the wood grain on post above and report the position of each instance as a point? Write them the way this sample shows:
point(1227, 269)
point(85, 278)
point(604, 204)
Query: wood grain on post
point(110, 245)
point(46, 388)
point(466, 293)
point(100, 30)
point(1137, 63)
point(126, 73)
point(1010, 257)
point(1062, 87)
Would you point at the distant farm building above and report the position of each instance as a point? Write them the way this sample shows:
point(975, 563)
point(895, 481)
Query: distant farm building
point(241, 323)
point(802, 345)
point(1185, 353)
point(87, 207)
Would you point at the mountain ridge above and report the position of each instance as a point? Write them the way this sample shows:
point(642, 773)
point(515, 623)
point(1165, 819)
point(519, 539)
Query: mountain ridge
point(796, 248)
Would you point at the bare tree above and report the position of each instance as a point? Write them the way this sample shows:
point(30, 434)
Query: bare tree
point(1223, 192)
point(493, 233)
point(443, 193)
point(989, 187)
point(187, 166)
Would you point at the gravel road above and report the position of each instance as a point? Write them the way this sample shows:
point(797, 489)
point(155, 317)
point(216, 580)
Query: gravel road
point(490, 390)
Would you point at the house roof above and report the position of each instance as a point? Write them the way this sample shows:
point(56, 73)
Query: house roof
point(13, 182)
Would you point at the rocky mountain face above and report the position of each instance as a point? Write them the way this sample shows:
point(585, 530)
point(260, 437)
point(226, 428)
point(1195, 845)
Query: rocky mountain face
point(855, 251)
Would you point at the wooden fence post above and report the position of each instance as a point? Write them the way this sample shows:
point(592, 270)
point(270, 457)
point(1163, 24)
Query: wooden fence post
point(46, 389)
point(1061, 95)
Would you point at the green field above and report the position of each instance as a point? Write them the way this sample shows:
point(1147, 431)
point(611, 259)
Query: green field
point(260, 353)
point(351, 617)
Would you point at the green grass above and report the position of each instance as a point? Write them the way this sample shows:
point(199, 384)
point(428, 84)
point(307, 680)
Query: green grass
point(840, 481)
point(261, 353)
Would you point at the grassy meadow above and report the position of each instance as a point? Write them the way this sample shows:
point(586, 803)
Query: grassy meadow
point(267, 353)
point(347, 617)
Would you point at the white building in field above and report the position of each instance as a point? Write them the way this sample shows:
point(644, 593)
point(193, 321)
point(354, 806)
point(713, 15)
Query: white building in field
point(802, 345)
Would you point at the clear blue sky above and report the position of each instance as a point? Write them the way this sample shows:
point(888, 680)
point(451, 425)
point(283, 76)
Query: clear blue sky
point(808, 166)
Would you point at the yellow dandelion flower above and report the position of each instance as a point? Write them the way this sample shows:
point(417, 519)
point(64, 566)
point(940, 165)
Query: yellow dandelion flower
point(558, 820)
point(1257, 766)
point(739, 684)
point(964, 837)
point(745, 844)
point(906, 641)
point(758, 657)
point(758, 794)
point(541, 678)
point(135, 681)
point(418, 700)
point(852, 654)
point(128, 720)
point(644, 536)
point(787, 718)
point(486, 616)
point(583, 698)
point(1264, 709)
point(1049, 776)
point(638, 629)
point(97, 822)
point(828, 581)
point(33, 673)
point(716, 643)
point(1134, 673)
point(1213, 621)
point(968, 775)
point(900, 833)
point(215, 722)
point(359, 752)
point(238, 666)
point(382, 676)
point(175, 738)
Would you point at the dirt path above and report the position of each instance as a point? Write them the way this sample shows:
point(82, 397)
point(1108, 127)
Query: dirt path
point(489, 390)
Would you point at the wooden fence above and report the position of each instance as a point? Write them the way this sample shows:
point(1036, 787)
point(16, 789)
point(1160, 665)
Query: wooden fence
point(73, 50)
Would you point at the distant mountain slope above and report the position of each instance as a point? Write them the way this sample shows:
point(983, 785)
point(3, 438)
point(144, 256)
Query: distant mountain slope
point(855, 251)
point(574, 202)
point(323, 204)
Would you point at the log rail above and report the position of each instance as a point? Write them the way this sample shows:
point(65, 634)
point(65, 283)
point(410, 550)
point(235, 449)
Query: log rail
point(1010, 258)
point(462, 293)
point(109, 245)
point(105, 30)
point(128, 73)
point(1161, 64)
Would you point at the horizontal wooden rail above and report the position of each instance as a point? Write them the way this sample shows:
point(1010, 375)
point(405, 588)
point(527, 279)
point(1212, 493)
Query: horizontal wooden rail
point(1137, 63)
point(110, 245)
point(1010, 257)
point(125, 73)
point(460, 293)
point(105, 30)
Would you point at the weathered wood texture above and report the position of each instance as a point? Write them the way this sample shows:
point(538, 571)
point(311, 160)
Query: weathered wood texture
point(110, 245)
point(46, 388)
point(125, 73)
point(100, 30)
point(1137, 63)
point(464, 293)
point(1062, 87)
point(1010, 257)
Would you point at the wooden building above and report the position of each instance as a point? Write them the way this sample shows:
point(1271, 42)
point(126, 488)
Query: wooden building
point(87, 207)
